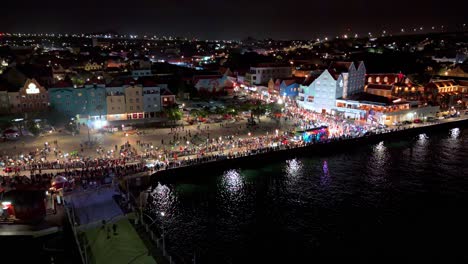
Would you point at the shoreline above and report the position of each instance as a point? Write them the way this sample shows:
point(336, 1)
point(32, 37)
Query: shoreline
point(314, 149)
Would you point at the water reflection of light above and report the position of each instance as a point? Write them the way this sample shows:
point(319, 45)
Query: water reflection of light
point(293, 166)
point(163, 198)
point(325, 177)
point(380, 147)
point(422, 138)
point(325, 167)
point(232, 180)
point(455, 133)
point(377, 163)
point(161, 194)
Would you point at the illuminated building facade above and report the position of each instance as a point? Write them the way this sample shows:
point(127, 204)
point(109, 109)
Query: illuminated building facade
point(393, 85)
point(32, 97)
point(134, 102)
point(85, 103)
point(264, 72)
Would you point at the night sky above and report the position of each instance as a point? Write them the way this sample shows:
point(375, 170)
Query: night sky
point(226, 19)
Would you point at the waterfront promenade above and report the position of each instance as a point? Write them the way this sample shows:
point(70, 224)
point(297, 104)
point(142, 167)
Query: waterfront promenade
point(294, 148)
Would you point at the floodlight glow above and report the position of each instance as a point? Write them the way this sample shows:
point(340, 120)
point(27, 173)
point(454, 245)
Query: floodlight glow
point(98, 124)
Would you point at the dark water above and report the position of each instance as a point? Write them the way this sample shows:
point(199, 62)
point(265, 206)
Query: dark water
point(393, 201)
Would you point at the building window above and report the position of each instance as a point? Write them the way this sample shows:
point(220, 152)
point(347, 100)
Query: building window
point(385, 79)
point(137, 100)
point(369, 80)
point(138, 107)
point(377, 79)
point(131, 107)
point(137, 93)
point(165, 99)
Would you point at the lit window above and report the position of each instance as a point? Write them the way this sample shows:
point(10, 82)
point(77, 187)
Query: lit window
point(369, 80)
point(377, 79)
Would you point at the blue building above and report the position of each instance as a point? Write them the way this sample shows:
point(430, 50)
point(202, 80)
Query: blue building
point(84, 103)
point(289, 88)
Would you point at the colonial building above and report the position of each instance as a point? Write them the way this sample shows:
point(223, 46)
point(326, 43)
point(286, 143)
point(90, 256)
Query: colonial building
point(93, 66)
point(84, 103)
point(289, 88)
point(151, 101)
point(447, 93)
point(264, 72)
point(321, 94)
point(116, 108)
point(167, 97)
point(134, 102)
point(340, 80)
point(31, 97)
point(393, 85)
point(375, 109)
point(350, 76)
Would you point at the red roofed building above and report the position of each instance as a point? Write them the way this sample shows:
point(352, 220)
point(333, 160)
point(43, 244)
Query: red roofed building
point(167, 97)
point(447, 93)
point(393, 85)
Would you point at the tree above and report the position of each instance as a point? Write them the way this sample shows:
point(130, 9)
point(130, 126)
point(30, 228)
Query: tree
point(173, 113)
point(220, 111)
point(258, 111)
point(231, 110)
point(274, 108)
point(32, 127)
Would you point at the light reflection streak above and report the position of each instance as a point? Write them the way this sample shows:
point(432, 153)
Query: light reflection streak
point(293, 167)
point(232, 180)
point(455, 133)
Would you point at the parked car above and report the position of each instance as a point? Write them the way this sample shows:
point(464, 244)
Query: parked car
point(417, 121)
point(397, 123)
point(406, 122)
point(8, 169)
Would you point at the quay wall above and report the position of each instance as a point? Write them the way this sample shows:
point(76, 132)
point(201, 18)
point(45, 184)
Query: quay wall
point(309, 150)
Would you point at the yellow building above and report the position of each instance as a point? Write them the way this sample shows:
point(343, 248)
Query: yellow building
point(134, 102)
point(116, 108)
point(93, 66)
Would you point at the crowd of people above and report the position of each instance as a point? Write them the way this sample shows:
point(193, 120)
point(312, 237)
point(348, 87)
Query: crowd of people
point(183, 148)
point(84, 177)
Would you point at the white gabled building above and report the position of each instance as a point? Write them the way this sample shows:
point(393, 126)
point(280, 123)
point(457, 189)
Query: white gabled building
point(321, 94)
point(340, 80)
